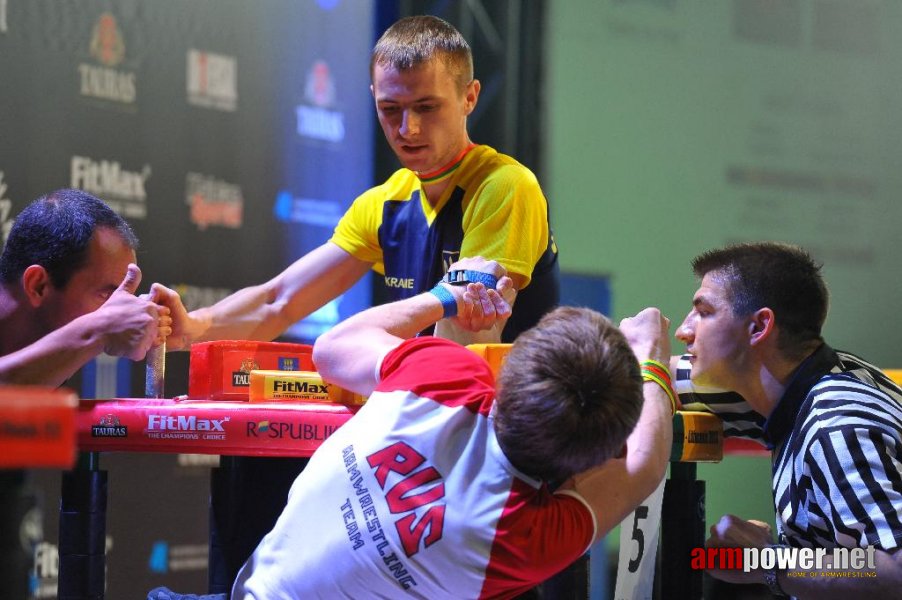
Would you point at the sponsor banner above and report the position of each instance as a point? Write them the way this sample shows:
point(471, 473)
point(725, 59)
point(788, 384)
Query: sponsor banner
point(214, 202)
point(311, 211)
point(165, 557)
point(202, 427)
point(317, 118)
point(212, 80)
point(125, 191)
point(105, 78)
point(109, 426)
point(44, 578)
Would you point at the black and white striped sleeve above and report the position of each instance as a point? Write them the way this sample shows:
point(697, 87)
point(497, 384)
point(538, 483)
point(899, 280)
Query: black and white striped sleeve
point(856, 479)
point(739, 420)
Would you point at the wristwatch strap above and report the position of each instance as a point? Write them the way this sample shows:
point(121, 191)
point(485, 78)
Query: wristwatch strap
point(464, 276)
point(773, 583)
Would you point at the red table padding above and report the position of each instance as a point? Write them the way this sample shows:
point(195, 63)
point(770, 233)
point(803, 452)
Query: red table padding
point(206, 427)
point(37, 427)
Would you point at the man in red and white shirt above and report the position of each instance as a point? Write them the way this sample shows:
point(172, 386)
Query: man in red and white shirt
point(444, 485)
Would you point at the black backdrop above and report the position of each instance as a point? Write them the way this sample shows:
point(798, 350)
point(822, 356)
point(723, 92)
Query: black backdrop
point(231, 135)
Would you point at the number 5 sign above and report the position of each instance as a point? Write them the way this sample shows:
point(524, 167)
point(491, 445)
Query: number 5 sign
point(638, 546)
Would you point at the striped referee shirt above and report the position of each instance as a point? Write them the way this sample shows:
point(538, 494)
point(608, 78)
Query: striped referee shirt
point(836, 441)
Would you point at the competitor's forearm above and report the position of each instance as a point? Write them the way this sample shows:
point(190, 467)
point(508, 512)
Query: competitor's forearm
point(620, 484)
point(265, 311)
point(55, 357)
point(449, 330)
point(251, 313)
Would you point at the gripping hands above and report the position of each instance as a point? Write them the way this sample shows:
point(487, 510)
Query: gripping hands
point(478, 307)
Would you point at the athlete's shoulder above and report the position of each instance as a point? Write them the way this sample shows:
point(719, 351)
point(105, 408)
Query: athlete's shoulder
point(399, 186)
point(487, 159)
point(439, 369)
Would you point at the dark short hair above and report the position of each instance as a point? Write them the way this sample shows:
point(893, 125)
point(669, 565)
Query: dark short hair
point(782, 277)
point(570, 393)
point(413, 41)
point(54, 231)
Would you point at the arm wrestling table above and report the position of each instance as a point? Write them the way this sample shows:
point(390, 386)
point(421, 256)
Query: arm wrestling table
point(285, 429)
point(168, 426)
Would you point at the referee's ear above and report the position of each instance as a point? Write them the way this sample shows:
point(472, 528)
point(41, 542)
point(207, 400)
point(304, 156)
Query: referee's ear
point(761, 326)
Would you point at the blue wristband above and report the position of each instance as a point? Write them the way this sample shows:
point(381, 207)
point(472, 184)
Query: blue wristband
point(449, 304)
point(462, 277)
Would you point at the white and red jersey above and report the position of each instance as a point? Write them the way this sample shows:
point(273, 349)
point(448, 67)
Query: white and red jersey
point(413, 496)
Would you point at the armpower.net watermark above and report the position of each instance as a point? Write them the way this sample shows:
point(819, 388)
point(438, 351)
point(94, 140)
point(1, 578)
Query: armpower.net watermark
point(796, 562)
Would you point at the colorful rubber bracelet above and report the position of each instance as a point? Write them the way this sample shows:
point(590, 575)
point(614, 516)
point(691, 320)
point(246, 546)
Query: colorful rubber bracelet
point(449, 304)
point(665, 387)
point(655, 371)
point(657, 364)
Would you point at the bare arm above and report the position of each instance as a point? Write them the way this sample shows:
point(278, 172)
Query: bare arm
point(620, 484)
point(347, 355)
point(125, 325)
point(263, 312)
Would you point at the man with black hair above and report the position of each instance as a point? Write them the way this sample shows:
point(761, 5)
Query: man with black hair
point(832, 420)
point(67, 291)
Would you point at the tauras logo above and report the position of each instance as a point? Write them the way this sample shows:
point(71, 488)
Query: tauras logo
point(107, 84)
point(320, 123)
point(124, 190)
point(109, 426)
point(315, 119)
point(108, 48)
point(242, 377)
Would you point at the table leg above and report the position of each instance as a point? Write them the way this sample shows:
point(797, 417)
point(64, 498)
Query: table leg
point(18, 506)
point(82, 531)
point(682, 529)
